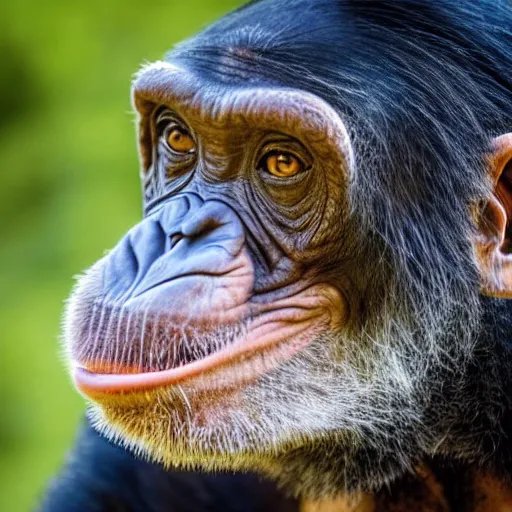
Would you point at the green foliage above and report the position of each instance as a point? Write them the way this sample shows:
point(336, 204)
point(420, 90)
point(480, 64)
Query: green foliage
point(69, 190)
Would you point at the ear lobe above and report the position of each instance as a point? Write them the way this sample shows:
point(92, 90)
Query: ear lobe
point(493, 247)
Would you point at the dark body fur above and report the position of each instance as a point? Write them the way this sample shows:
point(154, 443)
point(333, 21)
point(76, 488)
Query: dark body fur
point(101, 477)
point(423, 87)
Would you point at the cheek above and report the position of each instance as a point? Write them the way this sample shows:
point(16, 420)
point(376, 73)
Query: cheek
point(292, 198)
point(307, 217)
point(331, 231)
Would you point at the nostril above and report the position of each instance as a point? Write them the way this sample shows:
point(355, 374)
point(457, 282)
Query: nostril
point(174, 239)
point(199, 225)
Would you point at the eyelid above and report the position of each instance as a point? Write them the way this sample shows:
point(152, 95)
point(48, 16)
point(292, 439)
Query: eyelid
point(165, 114)
point(171, 119)
point(277, 181)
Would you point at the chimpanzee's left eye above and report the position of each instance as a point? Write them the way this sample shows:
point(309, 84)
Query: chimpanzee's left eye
point(180, 140)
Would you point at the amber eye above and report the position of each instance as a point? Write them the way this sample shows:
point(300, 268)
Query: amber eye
point(282, 165)
point(179, 140)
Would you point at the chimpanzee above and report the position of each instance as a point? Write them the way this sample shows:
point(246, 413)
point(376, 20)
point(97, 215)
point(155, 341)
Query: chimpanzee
point(317, 293)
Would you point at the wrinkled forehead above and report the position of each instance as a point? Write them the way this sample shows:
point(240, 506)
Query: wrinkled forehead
point(202, 100)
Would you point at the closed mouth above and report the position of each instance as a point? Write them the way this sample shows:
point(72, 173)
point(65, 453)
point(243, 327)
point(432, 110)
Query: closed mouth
point(262, 349)
point(274, 334)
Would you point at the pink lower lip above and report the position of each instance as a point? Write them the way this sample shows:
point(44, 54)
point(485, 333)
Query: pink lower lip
point(262, 338)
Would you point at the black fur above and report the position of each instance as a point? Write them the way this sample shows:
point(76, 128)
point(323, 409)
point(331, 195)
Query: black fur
point(101, 477)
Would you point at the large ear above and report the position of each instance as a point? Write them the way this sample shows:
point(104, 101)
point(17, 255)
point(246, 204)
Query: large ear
point(494, 241)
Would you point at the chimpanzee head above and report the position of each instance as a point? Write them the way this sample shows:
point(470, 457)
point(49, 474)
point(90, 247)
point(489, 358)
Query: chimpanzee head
point(327, 198)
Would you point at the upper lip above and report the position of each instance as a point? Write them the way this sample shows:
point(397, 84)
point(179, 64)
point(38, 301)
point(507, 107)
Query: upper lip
point(271, 327)
point(266, 334)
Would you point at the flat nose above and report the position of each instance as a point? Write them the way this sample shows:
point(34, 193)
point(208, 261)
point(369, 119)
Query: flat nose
point(217, 224)
point(185, 237)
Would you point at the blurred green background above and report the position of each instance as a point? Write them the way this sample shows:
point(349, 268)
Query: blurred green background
point(69, 190)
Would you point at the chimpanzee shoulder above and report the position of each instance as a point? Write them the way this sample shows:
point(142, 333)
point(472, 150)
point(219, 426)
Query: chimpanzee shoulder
point(102, 477)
